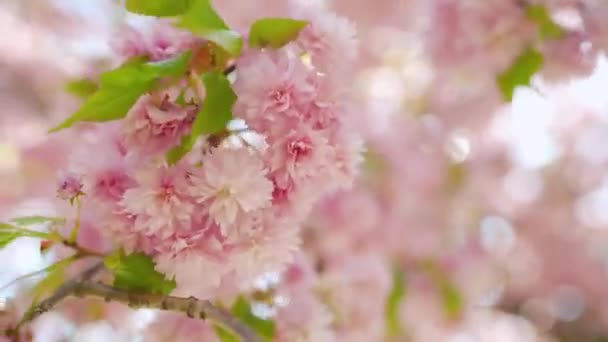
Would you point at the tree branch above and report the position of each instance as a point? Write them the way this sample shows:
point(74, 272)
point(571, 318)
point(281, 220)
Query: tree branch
point(191, 306)
point(229, 69)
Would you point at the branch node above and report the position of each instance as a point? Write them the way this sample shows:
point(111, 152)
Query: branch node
point(191, 306)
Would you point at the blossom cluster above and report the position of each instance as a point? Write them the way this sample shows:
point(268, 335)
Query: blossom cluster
point(230, 209)
point(452, 202)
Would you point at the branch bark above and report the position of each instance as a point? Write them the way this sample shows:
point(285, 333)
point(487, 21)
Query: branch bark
point(191, 306)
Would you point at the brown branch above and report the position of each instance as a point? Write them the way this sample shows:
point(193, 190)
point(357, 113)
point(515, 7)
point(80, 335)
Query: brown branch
point(46, 305)
point(82, 251)
point(229, 70)
point(191, 306)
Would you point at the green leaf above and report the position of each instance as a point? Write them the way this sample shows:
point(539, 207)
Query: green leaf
point(29, 220)
point(7, 237)
point(81, 88)
point(135, 272)
point(373, 162)
point(106, 105)
point(519, 73)
point(158, 8)
point(215, 113)
point(547, 28)
point(120, 88)
point(9, 232)
point(216, 110)
point(175, 66)
point(178, 152)
point(451, 298)
point(450, 295)
point(181, 99)
point(241, 309)
point(139, 71)
point(456, 175)
point(204, 21)
point(264, 327)
point(224, 335)
point(54, 278)
point(274, 32)
point(391, 308)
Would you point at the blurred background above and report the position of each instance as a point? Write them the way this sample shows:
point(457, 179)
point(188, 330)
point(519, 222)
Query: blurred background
point(493, 210)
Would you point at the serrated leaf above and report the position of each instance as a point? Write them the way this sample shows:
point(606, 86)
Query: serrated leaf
point(54, 278)
point(30, 220)
point(201, 19)
point(158, 8)
point(175, 66)
point(451, 298)
point(224, 335)
point(519, 73)
point(264, 327)
point(215, 113)
point(274, 32)
point(106, 105)
point(373, 162)
point(176, 153)
point(181, 99)
point(120, 88)
point(547, 28)
point(391, 308)
point(9, 232)
point(455, 177)
point(216, 110)
point(7, 237)
point(135, 272)
point(81, 88)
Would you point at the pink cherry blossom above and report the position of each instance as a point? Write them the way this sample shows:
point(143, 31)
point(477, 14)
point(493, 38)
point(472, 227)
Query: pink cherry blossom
point(105, 177)
point(160, 203)
point(152, 128)
point(330, 40)
point(271, 86)
point(231, 183)
point(69, 186)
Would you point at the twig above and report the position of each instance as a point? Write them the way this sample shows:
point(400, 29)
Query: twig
point(82, 251)
point(229, 69)
point(62, 292)
point(191, 306)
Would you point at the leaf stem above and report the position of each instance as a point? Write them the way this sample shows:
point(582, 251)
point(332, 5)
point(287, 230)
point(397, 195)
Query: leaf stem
point(76, 228)
point(82, 251)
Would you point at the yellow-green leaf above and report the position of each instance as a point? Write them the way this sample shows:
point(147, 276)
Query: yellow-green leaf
point(450, 295)
point(81, 88)
point(120, 88)
point(519, 73)
point(9, 232)
point(7, 237)
point(216, 110)
point(215, 113)
point(54, 278)
point(274, 32)
point(224, 335)
point(547, 28)
point(135, 272)
point(179, 151)
point(241, 309)
point(451, 298)
point(158, 8)
point(201, 19)
point(455, 177)
point(29, 220)
point(391, 308)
